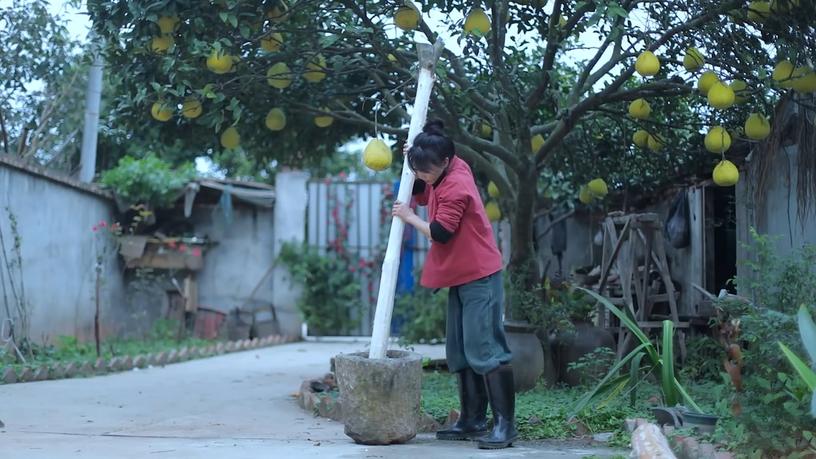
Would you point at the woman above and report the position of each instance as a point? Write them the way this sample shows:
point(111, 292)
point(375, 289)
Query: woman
point(464, 257)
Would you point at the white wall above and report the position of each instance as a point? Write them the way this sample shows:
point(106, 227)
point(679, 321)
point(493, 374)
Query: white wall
point(59, 253)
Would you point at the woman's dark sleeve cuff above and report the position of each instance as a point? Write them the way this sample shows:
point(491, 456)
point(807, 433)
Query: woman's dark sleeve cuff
point(439, 233)
point(419, 187)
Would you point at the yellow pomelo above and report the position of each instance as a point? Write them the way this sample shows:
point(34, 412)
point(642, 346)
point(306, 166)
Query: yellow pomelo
point(647, 64)
point(160, 45)
point(757, 127)
point(275, 119)
point(392, 58)
point(161, 111)
point(721, 96)
point(485, 130)
point(230, 139)
point(783, 71)
point(741, 93)
point(693, 60)
point(477, 23)
point(641, 138)
point(726, 173)
point(536, 143)
point(315, 69)
point(639, 109)
point(407, 18)
point(584, 195)
point(279, 76)
point(219, 63)
point(758, 11)
point(706, 81)
point(191, 108)
point(377, 155)
point(272, 43)
point(598, 188)
point(167, 24)
point(654, 143)
point(279, 12)
point(323, 121)
point(493, 211)
point(803, 80)
point(717, 140)
point(493, 190)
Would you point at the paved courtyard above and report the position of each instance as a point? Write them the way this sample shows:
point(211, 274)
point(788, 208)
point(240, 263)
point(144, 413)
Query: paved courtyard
point(239, 405)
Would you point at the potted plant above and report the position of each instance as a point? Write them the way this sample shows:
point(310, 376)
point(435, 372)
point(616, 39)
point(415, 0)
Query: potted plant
point(522, 327)
point(575, 335)
point(644, 360)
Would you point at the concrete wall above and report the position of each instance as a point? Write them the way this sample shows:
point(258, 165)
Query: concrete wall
point(291, 202)
point(779, 217)
point(59, 252)
point(242, 255)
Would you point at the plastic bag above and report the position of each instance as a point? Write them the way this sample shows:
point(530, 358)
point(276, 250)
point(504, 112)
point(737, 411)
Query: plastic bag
point(678, 226)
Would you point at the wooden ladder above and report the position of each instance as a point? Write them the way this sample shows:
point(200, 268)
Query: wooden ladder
point(633, 244)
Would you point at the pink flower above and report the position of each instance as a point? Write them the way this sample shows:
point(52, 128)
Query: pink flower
point(196, 251)
point(182, 248)
point(103, 224)
point(342, 175)
point(94, 229)
point(171, 244)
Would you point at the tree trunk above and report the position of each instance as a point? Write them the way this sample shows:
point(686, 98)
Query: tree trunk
point(522, 270)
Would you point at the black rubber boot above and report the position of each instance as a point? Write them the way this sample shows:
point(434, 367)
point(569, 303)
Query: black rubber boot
point(472, 422)
point(502, 394)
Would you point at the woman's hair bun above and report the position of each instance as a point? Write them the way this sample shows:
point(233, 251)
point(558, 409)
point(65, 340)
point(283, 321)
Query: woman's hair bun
point(436, 127)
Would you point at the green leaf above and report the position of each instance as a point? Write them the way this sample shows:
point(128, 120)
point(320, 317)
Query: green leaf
point(605, 386)
point(807, 329)
point(804, 371)
point(628, 322)
point(245, 32)
point(634, 377)
point(667, 368)
point(233, 20)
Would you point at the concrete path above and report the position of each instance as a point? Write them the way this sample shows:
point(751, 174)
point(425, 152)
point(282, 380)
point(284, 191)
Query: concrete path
point(234, 406)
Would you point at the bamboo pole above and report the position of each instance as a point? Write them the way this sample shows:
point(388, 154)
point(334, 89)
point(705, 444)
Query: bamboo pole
point(428, 56)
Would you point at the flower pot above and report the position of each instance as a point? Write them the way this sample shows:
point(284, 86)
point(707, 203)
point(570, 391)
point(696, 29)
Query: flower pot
point(571, 346)
point(682, 417)
point(528, 355)
point(380, 397)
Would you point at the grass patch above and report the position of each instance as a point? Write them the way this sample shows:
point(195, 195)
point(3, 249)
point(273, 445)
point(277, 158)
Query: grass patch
point(67, 349)
point(541, 414)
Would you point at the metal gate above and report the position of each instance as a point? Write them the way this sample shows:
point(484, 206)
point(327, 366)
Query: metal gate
point(354, 218)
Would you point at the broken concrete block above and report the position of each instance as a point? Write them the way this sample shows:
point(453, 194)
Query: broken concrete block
point(100, 366)
point(172, 357)
point(126, 363)
point(115, 364)
point(183, 354)
point(25, 375)
point(58, 372)
point(220, 348)
point(41, 374)
point(427, 423)
point(86, 369)
point(71, 369)
point(140, 362)
point(161, 358)
point(9, 375)
point(648, 441)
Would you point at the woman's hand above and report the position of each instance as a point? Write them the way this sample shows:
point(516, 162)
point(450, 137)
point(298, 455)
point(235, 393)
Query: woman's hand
point(405, 148)
point(402, 211)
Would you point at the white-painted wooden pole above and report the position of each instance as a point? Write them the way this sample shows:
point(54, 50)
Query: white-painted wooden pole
point(428, 56)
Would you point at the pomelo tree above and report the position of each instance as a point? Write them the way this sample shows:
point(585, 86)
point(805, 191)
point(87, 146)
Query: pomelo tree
point(602, 86)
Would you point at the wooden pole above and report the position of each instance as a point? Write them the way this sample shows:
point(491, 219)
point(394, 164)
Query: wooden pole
point(428, 56)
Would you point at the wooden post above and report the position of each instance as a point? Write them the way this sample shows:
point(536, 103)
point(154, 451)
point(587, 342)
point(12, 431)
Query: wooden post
point(428, 56)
